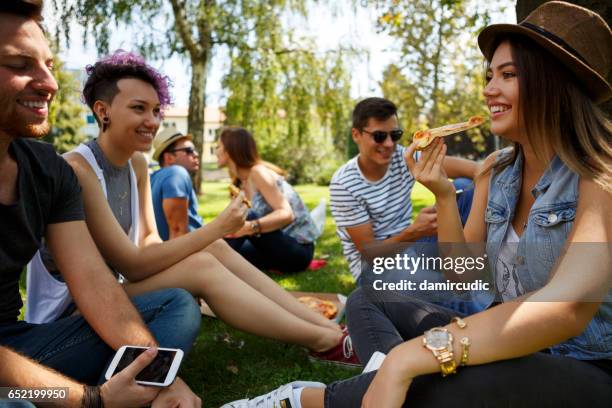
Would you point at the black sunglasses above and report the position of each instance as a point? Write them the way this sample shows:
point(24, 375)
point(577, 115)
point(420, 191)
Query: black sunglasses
point(187, 150)
point(380, 136)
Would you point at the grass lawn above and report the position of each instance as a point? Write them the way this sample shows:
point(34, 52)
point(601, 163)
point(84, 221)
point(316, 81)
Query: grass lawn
point(218, 371)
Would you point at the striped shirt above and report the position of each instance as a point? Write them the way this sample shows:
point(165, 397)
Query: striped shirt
point(385, 203)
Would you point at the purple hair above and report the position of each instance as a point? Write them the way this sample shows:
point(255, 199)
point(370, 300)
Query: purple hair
point(103, 76)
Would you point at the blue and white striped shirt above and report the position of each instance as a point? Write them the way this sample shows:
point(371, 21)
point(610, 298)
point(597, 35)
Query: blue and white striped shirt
point(385, 203)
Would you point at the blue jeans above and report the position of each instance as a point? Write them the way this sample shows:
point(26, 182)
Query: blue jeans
point(273, 250)
point(70, 346)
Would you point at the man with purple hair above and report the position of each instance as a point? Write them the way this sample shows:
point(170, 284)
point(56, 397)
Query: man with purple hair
point(40, 200)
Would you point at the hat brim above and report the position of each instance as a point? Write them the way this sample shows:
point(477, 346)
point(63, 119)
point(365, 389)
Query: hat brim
point(595, 85)
point(168, 142)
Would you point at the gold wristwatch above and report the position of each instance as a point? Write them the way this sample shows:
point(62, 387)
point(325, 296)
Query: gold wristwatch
point(440, 342)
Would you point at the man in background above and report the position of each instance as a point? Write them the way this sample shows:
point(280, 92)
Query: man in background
point(174, 199)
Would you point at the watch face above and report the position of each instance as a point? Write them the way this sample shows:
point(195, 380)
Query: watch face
point(437, 338)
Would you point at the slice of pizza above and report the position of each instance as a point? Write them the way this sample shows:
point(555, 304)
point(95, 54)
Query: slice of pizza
point(234, 191)
point(325, 307)
point(426, 137)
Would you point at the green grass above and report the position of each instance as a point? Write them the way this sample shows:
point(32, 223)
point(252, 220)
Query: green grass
point(217, 370)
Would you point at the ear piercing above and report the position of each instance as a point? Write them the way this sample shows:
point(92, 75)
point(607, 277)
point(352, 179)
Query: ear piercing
point(105, 123)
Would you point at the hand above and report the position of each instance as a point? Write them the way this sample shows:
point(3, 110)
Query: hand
point(234, 215)
point(245, 230)
point(178, 395)
point(387, 389)
point(429, 170)
point(123, 391)
point(426, 223)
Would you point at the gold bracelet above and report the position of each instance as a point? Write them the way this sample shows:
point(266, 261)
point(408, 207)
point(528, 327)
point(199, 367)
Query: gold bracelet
point(460, 322)
point(465, 352)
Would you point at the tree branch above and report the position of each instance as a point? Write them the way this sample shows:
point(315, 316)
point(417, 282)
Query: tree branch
point(178, 7)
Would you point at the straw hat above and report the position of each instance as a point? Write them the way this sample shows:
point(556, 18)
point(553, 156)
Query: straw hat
point(579, 38)
point(165, 138)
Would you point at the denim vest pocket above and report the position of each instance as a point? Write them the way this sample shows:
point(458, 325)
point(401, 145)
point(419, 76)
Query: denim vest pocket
point(551, 227)
point(495, 213)
point(554, 215)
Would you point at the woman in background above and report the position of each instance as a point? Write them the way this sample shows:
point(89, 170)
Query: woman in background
point(279, 233)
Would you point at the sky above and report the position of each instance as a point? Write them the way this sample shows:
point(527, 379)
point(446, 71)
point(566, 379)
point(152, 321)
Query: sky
point(343, 26)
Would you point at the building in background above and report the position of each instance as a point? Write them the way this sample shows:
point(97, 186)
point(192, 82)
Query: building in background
point(176, 116)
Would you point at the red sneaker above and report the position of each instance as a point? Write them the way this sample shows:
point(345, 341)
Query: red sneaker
point(341, 355)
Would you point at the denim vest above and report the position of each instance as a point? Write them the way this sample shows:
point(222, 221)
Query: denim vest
point(550, 220)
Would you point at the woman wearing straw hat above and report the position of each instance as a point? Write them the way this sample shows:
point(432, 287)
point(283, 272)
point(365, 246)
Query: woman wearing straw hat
point(126, 96)
point(542, 208)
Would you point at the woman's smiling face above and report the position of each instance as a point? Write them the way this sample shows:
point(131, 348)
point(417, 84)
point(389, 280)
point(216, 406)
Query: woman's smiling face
point(502, 94)
point(134, 115)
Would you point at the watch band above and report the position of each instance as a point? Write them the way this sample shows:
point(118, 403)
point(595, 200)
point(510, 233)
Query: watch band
point(448, 365)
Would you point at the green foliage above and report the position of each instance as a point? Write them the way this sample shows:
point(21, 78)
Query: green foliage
point(439, 79)
point(65, 112)
point(292, 99)
point(296, 103)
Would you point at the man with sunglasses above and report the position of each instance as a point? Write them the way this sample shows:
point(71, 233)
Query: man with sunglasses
point(174, 199)
point(370, 194)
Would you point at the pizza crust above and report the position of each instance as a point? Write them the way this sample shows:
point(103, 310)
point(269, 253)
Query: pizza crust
point(426, 137)
point(234, 191)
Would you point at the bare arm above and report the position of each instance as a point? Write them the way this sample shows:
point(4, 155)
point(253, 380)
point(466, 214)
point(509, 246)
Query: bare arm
point(516, 329)
point(153, 255)
point(19, 371)
point(456, 167)
point(282, 215)
point(429, 171)
point(175, 211)
point(424, 225)
point(92, 284)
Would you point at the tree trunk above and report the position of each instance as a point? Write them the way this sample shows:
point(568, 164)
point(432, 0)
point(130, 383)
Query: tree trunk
point(601, 7)
point(197, 106)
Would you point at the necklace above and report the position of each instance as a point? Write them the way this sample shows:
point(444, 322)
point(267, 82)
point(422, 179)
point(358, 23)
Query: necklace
point(121, 197)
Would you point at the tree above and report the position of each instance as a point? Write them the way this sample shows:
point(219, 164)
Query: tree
point(296, 102)
point(430, 35)
point(438, 79)
point(193, 29)
point(65, 112)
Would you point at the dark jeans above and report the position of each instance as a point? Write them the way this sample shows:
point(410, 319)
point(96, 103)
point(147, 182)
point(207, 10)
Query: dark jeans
point(273, 250)
point(538, 380)
point(70, 346)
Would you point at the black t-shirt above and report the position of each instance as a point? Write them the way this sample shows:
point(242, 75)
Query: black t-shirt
point(48, 192)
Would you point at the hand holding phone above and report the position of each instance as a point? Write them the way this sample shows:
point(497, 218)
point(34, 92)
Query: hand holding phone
point(160, 372)
point(122, 390)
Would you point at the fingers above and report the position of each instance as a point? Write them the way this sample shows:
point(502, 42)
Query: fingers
point(428, 210)
point(409, 155)
point(139, 363)
point(439, 159)
point(432, 155)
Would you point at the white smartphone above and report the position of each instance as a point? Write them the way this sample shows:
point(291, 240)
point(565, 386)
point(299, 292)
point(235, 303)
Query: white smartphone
point(161, 372)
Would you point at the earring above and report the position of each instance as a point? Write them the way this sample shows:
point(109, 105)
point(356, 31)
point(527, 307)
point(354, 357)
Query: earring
point(105, 123)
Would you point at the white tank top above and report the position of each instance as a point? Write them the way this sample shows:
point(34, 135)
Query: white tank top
point(47, 297)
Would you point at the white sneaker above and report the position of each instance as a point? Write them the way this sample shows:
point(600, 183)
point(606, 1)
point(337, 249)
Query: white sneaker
point(282, 397)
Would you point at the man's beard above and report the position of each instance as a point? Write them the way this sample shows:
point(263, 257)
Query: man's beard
point(15, 125)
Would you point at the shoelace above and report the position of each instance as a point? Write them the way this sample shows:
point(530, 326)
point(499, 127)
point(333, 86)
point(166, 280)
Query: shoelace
point(266, 401)
point(347, 347)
